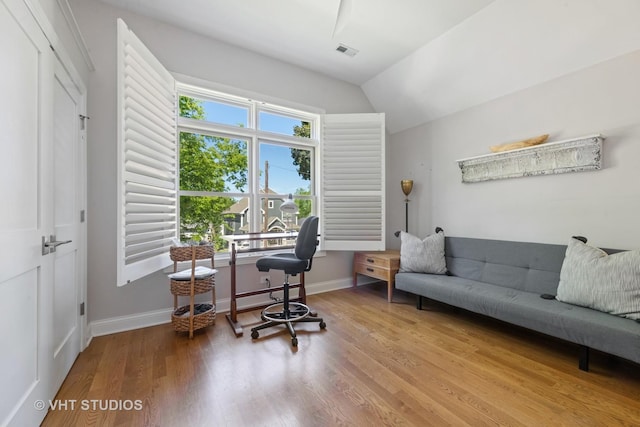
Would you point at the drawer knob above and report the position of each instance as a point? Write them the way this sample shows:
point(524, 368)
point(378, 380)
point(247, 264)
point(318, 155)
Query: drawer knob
point(370, 270)
point(371, 260)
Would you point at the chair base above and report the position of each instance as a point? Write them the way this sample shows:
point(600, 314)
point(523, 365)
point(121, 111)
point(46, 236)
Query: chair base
point(287, 314)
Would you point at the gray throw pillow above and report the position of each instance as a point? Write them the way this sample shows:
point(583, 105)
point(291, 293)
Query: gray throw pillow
point(591, 278)
point(422, 256)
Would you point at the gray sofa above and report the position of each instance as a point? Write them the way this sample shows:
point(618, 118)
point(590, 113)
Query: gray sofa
point(505, 280)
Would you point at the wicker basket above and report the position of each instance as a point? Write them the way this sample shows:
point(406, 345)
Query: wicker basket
point(185, 253)
point(180, 317)
point(200, 286)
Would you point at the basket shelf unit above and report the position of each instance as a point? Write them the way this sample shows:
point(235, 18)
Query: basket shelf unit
point(189, 283)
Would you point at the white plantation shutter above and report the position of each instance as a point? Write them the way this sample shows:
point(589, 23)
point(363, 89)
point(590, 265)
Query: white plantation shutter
point(147, 160)
point(353, 182)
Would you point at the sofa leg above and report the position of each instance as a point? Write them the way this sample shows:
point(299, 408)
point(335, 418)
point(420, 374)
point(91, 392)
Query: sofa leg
point(419, 303)
point(584, 358)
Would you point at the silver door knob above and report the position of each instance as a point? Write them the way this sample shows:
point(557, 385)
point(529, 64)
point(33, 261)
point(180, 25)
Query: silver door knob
point(52, 244)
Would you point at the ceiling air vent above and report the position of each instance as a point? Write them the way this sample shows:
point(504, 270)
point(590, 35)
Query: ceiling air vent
point(349, 51)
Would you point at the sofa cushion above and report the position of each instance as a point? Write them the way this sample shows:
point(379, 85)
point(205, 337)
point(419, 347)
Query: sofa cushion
point(422, 256)
point(591, 278)
point(532, 267)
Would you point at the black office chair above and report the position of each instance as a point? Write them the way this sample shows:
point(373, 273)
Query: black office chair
point(291, 263)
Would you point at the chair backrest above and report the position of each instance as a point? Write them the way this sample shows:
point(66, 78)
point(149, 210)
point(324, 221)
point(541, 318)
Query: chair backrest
point(307, 238)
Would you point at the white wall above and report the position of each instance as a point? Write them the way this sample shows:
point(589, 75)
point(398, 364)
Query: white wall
point(189, 54)
point(602, 205)
point(408, 157)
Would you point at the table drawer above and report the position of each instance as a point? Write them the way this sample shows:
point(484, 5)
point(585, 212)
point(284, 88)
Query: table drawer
point(372, 271)
point(376, 260)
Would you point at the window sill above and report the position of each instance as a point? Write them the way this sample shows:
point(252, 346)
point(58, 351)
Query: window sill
point(222, 260)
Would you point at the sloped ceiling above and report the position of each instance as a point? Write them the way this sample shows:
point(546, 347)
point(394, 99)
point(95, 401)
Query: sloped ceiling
point(508, 46)
point(418, 60)
point(307, 32)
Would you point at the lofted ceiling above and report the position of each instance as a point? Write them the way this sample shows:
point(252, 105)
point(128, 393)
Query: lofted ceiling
point(307, 32)
point(418, 60)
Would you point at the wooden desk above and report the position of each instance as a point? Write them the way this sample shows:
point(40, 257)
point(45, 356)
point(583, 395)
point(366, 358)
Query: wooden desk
point(232, 317)
point(379, 265)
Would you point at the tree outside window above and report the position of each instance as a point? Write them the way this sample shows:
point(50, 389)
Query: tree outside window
point(210, 164)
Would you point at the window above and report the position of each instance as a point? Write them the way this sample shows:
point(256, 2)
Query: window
point(199, 164)
point(214, 111)
point(283, 124)
point(239, 161)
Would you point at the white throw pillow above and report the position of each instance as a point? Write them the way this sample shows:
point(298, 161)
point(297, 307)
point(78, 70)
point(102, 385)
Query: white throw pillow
point(610, 283)
point(422, 256)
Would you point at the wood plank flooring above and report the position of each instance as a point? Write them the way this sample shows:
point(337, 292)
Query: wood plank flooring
point(375, 364)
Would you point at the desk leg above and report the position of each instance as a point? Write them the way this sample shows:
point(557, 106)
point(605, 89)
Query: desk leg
point(232, 317)
point(302, 293)
point(390, 286)
point(237, 328)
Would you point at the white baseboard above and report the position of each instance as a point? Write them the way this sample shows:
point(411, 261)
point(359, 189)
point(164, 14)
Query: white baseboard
point(158, 317)
point(128, 323)
point(88, 336)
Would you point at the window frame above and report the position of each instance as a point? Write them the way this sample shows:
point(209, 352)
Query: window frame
point(254, 137)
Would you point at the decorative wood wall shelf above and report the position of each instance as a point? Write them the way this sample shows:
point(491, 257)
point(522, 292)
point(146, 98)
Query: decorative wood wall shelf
point(571, 155)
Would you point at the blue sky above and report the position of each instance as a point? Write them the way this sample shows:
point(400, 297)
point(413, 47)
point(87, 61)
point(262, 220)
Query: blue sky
point(283, 176)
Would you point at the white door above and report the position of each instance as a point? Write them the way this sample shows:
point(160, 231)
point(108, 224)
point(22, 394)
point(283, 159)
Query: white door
point(66, 222)
point(26, 214)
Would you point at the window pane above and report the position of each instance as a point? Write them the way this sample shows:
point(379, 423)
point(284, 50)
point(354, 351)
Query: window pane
point(276, 221)
point(285, 170)
point(212, 111)
point(212, 163)
point(211, 218)
point(284, 125)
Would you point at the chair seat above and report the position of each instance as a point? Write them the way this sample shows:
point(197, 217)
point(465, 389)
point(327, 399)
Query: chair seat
point(287, 262)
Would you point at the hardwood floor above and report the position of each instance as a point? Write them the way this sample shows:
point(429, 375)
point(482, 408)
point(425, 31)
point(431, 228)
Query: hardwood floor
point(377, 363)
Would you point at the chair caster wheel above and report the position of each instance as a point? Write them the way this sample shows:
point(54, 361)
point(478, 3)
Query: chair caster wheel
point(254, 334)
point(294, 341)
point(323, 325)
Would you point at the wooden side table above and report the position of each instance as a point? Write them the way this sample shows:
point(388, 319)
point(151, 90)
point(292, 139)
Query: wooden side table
point(379, 265)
